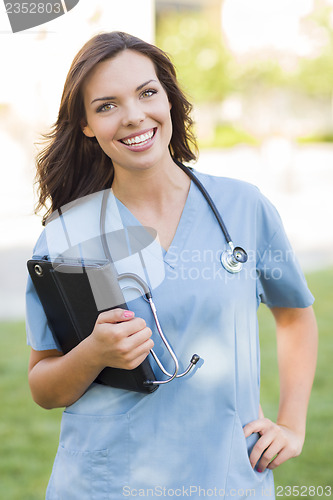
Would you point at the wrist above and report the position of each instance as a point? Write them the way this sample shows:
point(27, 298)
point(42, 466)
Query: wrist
point(292, 414)
point(297, 427)
point(92, 353)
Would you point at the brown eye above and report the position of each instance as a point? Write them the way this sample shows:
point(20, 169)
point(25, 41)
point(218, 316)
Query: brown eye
point(105, 107)
point(148, 93)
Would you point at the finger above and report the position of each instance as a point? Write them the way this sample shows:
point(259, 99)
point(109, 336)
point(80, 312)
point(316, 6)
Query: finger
point(272, 461)
point(282, 457)
point(115, 316)
point(142, 350)
point(138, 355)
point(135, 340)
point(263, 443)
point(269, 456)
point(129, 328)
point(258, 425)
point(261, 413)
point(130, 347)
point(137, 362)
point(123, 329)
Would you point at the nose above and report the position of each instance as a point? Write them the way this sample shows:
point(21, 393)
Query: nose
point(133, 114)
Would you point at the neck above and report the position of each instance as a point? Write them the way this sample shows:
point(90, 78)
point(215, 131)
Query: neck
point(154, 186)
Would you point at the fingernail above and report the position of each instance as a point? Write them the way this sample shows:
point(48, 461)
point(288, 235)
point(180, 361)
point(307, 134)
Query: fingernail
point(128, 314)
point(259, 470)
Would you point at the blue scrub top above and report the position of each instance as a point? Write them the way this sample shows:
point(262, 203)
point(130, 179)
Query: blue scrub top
point(186, 439)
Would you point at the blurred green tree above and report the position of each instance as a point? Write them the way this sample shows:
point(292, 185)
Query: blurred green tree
point(209, 72)
point(315, 74)
point(195, 44)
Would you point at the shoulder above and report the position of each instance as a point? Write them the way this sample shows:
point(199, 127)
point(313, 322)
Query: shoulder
point(77, 221)
point(40, 248)
point(77, 208)
point(241, 197)
point(229, 187)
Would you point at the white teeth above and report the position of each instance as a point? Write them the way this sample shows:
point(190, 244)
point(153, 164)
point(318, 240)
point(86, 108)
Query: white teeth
point(139, 138)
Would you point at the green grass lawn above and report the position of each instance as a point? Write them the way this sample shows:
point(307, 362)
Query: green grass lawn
point(29, 435)
point(315, 465)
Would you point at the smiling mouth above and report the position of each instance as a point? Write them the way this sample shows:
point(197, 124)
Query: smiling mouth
point(139, 140)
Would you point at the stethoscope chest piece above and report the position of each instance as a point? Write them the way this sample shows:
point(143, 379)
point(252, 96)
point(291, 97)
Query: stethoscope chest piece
point(233, 259)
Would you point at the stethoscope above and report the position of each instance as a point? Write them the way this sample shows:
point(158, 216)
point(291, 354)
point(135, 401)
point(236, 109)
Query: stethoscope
point(232, 260)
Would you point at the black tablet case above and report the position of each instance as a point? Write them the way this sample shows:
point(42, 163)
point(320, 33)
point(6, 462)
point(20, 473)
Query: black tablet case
point(70, 307)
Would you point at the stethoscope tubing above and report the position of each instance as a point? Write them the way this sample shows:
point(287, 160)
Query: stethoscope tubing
point(148, 296)
point(208, 198)
point(231, 260)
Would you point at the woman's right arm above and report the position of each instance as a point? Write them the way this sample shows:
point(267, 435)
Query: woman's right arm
point(119, 340)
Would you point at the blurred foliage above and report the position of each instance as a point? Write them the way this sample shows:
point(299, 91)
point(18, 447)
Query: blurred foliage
point(314, 76)
point(195, 46)
point(209, 72)
point(310, 139)
point(310, 74)
point(227, 136)
point(249, 75)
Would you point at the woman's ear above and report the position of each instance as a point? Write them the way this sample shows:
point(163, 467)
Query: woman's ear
point(86, 129)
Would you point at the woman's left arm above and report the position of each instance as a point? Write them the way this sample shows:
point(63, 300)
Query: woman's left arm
point(297, 340)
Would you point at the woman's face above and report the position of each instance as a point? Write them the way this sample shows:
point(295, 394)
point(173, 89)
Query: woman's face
point(128, 111)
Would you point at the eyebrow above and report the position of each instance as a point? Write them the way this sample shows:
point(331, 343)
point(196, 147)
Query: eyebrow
point(112, 98)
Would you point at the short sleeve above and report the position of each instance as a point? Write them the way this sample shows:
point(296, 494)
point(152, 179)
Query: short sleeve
point(280, 280)
point(39, 335)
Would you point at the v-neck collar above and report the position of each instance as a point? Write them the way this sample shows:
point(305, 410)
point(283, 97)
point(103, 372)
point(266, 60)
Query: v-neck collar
point(184, 225)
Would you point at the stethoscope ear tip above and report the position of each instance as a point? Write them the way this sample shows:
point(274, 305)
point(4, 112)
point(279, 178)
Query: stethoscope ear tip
point(195, 358)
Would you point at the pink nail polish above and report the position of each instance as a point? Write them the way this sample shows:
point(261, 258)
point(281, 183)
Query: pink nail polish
point(128, 314)
point(259, 470)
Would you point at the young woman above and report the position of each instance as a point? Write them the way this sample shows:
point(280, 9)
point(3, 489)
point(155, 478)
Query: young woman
point(124, 122)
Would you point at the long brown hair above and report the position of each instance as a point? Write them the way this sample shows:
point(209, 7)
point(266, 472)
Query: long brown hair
point(73, 165)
